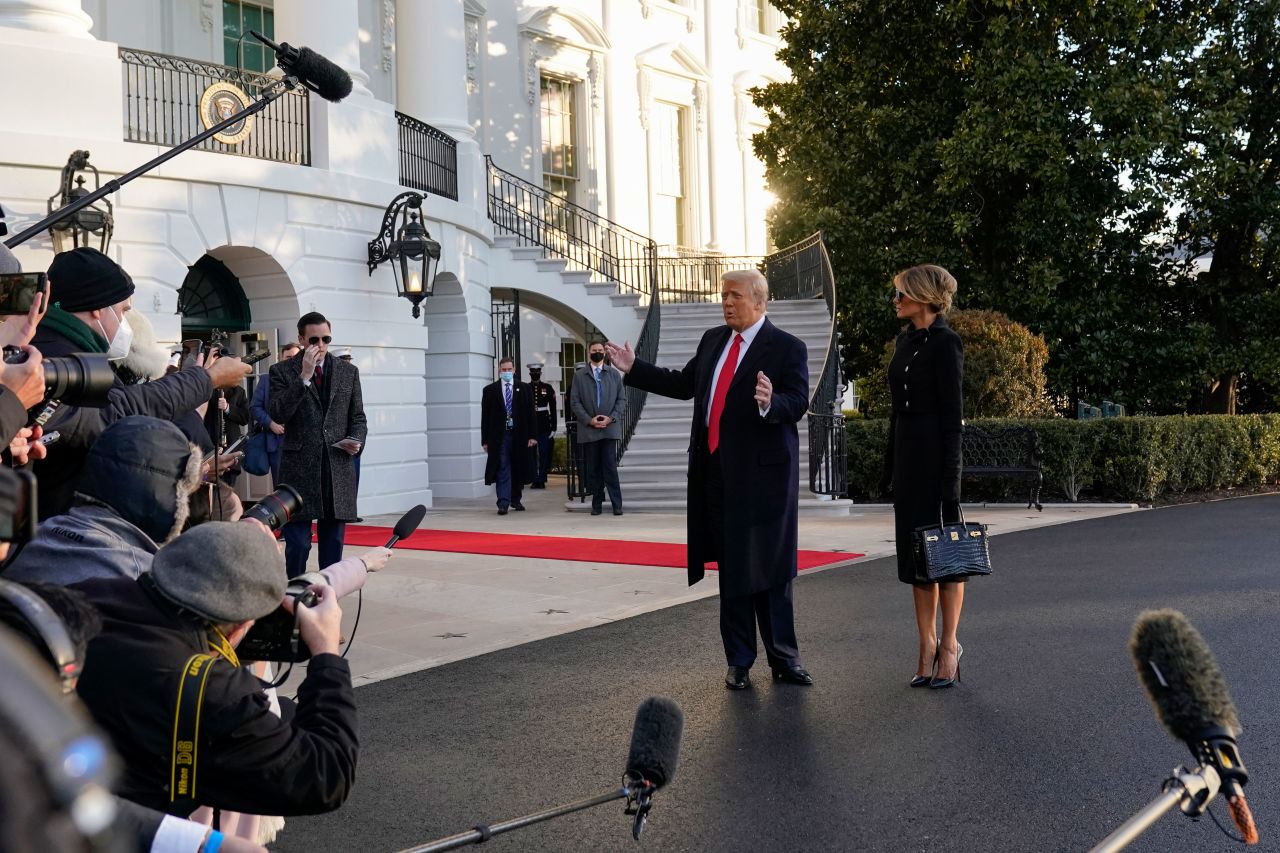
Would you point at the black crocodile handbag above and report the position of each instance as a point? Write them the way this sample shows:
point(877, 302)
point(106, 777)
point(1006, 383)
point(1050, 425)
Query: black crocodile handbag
point(948, 552)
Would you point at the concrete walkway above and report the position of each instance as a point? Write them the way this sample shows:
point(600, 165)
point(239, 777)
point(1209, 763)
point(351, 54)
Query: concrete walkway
point(429, 608)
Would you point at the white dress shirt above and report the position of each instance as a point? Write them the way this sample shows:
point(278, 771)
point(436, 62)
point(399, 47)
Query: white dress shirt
point(748, 335)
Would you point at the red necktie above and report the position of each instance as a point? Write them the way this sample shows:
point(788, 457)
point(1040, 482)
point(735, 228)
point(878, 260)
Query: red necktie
point(319, 374)
point(722, 391)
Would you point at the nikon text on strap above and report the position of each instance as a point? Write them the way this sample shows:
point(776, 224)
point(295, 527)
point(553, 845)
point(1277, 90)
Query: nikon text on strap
point(186, 732)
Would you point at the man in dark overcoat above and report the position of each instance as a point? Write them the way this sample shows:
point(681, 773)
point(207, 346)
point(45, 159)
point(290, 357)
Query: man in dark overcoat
point(317, 398)
point(749, 381)
point(508, 430)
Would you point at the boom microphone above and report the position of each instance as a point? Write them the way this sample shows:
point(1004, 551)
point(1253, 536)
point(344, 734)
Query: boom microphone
point(1184, 683)
point(407, 524)
point(655, 742)
point(312, 70)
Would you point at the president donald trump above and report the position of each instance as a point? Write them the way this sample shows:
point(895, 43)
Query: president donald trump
point(749, 381)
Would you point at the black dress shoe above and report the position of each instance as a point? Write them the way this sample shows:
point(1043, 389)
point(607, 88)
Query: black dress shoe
point(502, 510)
point(595, 510)
point(617, 510)
point(517, 506)
point(538, 486)
point(737, 678)
point(793, 675)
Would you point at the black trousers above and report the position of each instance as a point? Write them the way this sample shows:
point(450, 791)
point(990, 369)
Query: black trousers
point(769, 609)
point(600, 464)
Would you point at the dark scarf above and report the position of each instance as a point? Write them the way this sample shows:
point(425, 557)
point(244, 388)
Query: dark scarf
point(73, 329)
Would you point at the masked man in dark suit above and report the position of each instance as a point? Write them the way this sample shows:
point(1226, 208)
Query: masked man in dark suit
point(749, 381)
point(317, 398)
point(508, 431)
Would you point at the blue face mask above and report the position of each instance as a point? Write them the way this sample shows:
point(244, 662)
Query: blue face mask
point(506, 376)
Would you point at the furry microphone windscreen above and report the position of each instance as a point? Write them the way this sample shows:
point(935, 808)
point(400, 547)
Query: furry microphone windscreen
point(326, 79)
point(655, 741)
point(1180, 675)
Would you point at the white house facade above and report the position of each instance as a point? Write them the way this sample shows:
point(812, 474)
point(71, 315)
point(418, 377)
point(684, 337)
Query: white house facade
point(554, 143)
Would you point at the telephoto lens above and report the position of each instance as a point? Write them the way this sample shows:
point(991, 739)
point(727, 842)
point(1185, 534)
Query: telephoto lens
point(81, 378)
point(276, 508)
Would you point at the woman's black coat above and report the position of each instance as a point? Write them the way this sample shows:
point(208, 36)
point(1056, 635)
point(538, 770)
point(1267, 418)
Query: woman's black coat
point(923, 464)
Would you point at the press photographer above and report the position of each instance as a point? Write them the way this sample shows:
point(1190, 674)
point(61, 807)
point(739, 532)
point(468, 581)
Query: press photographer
point(178, 627)
point(90, 298)
point(134, 495)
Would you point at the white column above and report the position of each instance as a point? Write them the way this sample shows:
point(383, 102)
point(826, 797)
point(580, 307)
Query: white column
point(329, 27)
point(61, 17)
point(431, 60)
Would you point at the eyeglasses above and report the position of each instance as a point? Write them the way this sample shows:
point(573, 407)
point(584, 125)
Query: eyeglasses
point(898, 296)
point(313, 340)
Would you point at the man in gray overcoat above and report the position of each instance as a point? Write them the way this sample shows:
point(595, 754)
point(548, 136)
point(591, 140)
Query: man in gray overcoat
point(317, 399)
point(598, 398)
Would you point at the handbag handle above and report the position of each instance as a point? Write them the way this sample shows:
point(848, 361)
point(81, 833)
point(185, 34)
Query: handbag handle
point(942, 524)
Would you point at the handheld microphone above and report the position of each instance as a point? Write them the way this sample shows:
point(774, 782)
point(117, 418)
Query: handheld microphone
point(1184, 683)
point(312, 70)
point(407, 524)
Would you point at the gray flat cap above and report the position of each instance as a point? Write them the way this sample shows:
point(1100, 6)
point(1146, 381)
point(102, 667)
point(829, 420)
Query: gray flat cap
point(223, 571)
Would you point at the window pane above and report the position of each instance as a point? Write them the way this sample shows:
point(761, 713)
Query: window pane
point(231, 19)
point(268, 24)
point(252, 17)
point(229, 52)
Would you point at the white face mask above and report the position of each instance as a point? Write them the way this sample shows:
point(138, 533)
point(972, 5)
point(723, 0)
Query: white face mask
point(122, 340)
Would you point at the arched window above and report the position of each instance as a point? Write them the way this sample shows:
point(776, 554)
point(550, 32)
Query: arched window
point(211, 298)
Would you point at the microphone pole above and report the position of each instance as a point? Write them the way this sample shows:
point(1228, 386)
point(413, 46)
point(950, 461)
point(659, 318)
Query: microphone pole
point(1189, 790)
point(484, 832)
point(265, 97)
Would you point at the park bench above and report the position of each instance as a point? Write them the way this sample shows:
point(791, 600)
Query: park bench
point(1012, 452)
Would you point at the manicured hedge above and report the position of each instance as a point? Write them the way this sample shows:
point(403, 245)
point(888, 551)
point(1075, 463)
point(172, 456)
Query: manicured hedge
point(1122, 459)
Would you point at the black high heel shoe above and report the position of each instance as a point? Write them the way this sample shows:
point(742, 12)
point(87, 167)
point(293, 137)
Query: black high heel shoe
point(941, 683)
point(922, 680)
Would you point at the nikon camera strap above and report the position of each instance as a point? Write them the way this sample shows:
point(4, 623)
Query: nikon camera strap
point(186, 732)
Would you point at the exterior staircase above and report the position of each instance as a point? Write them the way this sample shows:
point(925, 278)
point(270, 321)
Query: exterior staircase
point(653, 471)
point(566, 294)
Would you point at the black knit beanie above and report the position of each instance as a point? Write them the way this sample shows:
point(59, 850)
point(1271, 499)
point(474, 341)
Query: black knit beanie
point(84, 279)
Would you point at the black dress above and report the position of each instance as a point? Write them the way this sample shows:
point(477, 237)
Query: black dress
point(923, 459)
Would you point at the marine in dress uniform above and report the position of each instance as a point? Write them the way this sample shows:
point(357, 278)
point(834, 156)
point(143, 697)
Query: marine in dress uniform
point(544, 407)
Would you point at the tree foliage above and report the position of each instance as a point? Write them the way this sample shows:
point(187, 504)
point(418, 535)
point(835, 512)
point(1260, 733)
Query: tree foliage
point(1036, 151)
point(1003, 369)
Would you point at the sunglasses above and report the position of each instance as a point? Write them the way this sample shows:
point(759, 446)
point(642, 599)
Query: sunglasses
point(898, 296)
point(313, 340)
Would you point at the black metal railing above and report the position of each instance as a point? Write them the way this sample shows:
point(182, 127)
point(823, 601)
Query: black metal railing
point(696, 278)
point(428, 158)
point(586, 240)
point(162, 97)
point(803, 271)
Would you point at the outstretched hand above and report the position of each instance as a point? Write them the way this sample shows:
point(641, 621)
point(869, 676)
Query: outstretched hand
point(622, 357)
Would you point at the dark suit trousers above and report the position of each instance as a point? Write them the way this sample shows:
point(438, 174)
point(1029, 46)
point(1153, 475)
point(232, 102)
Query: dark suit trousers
point(509, 490)
point(770, 609)
point(297, 543)
point(600, 463)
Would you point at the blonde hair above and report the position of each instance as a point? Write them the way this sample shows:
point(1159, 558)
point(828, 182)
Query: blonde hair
point(928, 283)
point(753, 277)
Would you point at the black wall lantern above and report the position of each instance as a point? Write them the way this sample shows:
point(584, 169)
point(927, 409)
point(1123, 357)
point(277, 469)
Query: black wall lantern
point(89, 225)
point(414, 256)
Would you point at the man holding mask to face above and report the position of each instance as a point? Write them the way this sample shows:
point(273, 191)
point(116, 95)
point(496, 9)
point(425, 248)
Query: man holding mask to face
point(317, 399)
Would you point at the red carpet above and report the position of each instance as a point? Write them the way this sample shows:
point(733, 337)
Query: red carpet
point(620, 551)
